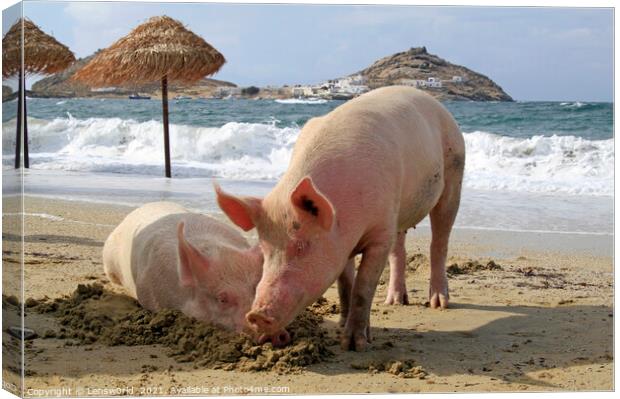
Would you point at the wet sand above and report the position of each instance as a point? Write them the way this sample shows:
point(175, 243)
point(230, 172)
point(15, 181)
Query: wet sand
point(541, 321)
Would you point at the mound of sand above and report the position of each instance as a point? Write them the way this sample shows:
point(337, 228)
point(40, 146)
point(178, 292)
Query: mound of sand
point(404, 368)
point(471, 266)
point(93, 314)
point(418, 263)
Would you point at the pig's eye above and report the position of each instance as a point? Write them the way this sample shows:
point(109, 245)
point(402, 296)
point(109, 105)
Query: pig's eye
point(223, 298)
point(300, 247)
point(226, 300)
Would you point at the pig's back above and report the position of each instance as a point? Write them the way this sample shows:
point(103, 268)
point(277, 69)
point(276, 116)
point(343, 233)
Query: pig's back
point(118, 249)
point(397, 121)
point(391, 141)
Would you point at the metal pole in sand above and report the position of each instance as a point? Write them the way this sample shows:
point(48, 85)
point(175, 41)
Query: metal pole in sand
point(164, 101)
point(26, 156)
point(18, 132)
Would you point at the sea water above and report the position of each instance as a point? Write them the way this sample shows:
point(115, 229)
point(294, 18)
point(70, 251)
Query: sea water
point(531, 166)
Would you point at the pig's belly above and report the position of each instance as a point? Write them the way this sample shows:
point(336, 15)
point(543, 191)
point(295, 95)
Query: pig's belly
point(157, 283)
point(154, 300)
point(420, 201)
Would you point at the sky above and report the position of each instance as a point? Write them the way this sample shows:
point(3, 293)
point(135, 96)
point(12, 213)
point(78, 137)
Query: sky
point(533, 53)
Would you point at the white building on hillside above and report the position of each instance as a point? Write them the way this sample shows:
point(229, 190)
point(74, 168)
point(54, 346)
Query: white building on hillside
point(225, 91)
point(413, 82)
point(433, 83)
point(346, 87)
point(303, 91)
point(350, 85)
point(421, 84)
point(102, 89)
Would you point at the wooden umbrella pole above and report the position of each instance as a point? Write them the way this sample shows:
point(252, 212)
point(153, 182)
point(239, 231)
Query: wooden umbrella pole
point(18, 132)
point(26, 157)
point(164, 101)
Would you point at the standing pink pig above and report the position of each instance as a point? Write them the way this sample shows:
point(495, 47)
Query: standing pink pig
point(169, 258)
point(359, 177)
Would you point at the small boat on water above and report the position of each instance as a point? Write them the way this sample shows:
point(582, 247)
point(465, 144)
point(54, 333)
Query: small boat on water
point(136, 96)
point(179, 97)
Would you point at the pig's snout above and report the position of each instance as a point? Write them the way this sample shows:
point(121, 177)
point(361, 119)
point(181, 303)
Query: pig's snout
point(277, 340)
point(260, 322)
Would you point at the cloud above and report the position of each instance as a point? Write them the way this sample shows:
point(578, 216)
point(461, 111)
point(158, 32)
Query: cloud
point(96, 25)
point(91, 13)
point(266, 44)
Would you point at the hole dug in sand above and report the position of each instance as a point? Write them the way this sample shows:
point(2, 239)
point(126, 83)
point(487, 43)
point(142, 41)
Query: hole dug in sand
point(93, 314)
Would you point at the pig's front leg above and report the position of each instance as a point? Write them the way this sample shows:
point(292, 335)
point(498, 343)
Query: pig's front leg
point(397, 288)
point(345, 287)
point(356, 334)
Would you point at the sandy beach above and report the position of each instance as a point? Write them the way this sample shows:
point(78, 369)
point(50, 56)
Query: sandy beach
point(537, 318)
point(358, 119)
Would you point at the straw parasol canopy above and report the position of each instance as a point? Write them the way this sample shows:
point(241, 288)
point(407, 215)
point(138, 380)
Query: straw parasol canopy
point(159, 47)
point(42, 53)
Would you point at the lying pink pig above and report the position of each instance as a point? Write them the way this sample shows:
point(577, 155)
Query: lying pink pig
point(169, 258)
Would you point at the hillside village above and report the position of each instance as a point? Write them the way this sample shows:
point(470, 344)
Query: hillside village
point(351, 86)
point(415, 67)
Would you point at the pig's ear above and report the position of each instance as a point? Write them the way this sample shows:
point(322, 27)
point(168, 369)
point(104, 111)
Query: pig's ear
point(192, 264)
point(308, 199)
point(242, 211)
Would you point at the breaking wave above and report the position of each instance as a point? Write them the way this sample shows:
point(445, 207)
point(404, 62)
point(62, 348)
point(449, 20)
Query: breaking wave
point(258, 151)
point(301, 101)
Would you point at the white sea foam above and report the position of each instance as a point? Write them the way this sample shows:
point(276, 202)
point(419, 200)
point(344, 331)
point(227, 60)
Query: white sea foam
point(114, 145)
point(576, 104)
point(36, 215)
point(564, 164)
point(55, 218)
point(250, 151)
point(301, 101)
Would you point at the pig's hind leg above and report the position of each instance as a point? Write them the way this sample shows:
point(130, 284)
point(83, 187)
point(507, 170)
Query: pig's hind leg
point(397, 288)
point(442, 219)
point(110, 263)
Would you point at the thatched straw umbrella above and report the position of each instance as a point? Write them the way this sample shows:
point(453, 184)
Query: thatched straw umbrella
point(161, 49)
point(42, 54)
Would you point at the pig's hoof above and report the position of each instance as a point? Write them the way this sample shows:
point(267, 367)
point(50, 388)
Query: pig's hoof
point(438, 298)
point(397, 298)
point(355, 340)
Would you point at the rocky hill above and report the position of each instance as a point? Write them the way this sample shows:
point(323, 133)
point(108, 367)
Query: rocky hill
point(416, 65)
point(59, 85)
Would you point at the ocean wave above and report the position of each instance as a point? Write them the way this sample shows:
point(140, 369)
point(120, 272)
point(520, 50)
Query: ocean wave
point(113, 145)
point(565, 164)
point(261, 151)
point(576, 104)
point(301, 101)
